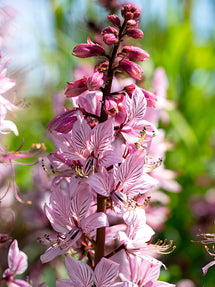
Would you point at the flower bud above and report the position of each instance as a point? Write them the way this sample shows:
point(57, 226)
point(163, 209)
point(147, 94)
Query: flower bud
point(115, 109)
point(63, 123)
point(132, 23)
point(135, 53)
point(95, 81)
point(134, 70)
point(150, 98)
point(129, 89)
point(134, 33)
point(110, 35)
point(114, 19)
point(129, 12)
point(76, 88)
point(88, 50)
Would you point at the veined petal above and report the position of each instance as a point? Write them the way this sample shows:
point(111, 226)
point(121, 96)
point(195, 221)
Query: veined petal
point(129, 174)
point(102, 136)
point(106, 272)
point(149, 271)
point(129, 134)
point(94, 221)
point(81, 134)
point(52, 252)
point(79, 272)
point(59, 211)
point(101, 182)
point(136, 106)
point(81, 203)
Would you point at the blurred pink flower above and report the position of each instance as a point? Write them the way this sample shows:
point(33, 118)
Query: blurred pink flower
point(17, 262)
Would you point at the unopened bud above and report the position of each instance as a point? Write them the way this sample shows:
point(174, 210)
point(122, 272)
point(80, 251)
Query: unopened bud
point(134, 33)
point(95, 81)
point(114, 19)
point(63, 123)
point(134, 70)
point(135, 53)
point(88, 50)
point(110, 35)
point(76, 88)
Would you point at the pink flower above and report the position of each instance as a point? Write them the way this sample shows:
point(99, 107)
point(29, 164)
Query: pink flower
point(17, 262)
point(88, 50)
point(139, 271)
point(127, 181)
point(70, 219)
point(90, 147)
point(134, 70)
point(135, 129)
point(81, 274)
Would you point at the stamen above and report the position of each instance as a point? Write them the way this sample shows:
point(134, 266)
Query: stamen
point(162, 247)
point(149, 165)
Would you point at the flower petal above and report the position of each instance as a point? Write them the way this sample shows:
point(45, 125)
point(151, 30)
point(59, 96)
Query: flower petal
point(106, 272)
point(17, 260)
point(79, 272)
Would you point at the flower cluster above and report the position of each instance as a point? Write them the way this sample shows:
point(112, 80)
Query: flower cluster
point(102, 169)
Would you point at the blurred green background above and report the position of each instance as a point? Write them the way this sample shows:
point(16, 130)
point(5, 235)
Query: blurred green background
point(180, 36)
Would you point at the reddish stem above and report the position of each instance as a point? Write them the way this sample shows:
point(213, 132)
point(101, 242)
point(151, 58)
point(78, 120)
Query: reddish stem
point(100, 234)
point(101, 200)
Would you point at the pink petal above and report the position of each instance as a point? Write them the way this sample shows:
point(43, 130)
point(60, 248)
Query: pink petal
point(51, 253)
point(94, 221)
point(102, 136)
point(81, 202)
point(81, 134)
point(59, 211)
point(106, 272)
point(79, 272)
point(101, 182)
point(17, 260)
point(136, 106)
